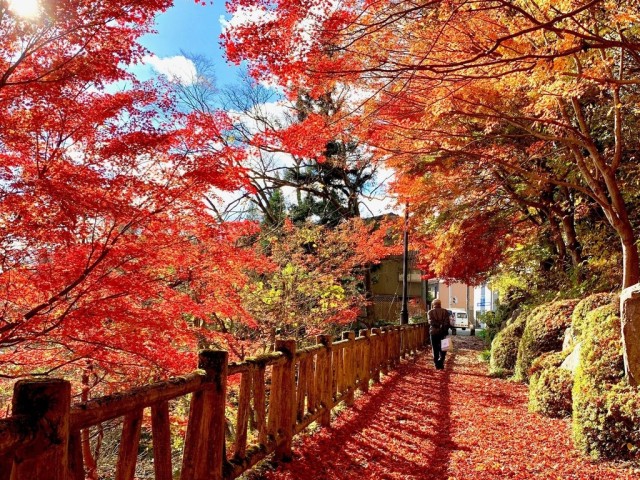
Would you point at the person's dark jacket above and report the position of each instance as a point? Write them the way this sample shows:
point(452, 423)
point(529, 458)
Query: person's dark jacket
point(438, 321)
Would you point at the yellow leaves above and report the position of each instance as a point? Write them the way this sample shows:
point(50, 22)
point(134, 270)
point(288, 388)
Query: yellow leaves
point(621, 14)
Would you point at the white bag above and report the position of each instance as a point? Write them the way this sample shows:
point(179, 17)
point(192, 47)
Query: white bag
point(445, 344)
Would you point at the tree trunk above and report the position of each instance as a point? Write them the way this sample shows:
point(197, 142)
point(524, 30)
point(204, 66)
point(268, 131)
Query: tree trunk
point(630, 259)
point(558, 241)
point(573, 245)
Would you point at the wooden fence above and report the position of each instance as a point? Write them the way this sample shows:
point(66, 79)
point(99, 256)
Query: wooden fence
point(388, 307)
point(279, 395)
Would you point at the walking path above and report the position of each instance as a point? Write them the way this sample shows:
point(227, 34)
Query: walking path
point(453, 424)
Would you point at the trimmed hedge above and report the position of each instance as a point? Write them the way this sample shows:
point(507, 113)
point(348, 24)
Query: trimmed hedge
point(504, 347)
point(550, 386)
point(585, 306)
point(544, 332)
point(606, 411)
point(546, 361)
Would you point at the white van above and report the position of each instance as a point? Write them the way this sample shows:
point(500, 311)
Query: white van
point(460, 319)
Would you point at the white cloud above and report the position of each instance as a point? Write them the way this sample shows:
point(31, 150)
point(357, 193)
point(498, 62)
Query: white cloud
point(245, 16)
point(275, 113)
point(178, 69)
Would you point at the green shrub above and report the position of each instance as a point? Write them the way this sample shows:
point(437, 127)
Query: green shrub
point(504, 347)
point(546, 361)
point(484, 356)
point(601, 359)
point(585, 306)
point(543, 332)
point(606, 411)
point(550, 386)
point(492, 323)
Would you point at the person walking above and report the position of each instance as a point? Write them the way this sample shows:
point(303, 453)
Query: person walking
point(439, 324)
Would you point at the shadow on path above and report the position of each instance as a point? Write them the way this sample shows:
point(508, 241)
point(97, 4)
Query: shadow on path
point(400, 430)
point(456, 424)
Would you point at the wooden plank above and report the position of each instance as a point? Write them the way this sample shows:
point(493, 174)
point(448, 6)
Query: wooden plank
point(327, 390)
point(312, 383)
point(244, 399)
point(321, 371)
point(273, 416)
point(349, 367)
point(338, 364)
point(192, 441)
point(203, 457)
point(375, 352)
point(161, 431)
point(287, 405)
point(308, 351)
point(301, 387)
point(76, 463)
point(128, 451)
point(366, 360)
point(259, 403)
point(101, 409)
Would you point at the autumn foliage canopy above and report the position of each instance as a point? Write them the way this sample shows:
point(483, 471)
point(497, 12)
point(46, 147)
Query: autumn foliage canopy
point(107, 251)
point(524, 107)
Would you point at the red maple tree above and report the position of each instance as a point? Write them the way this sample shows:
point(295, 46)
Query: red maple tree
point(108, 255)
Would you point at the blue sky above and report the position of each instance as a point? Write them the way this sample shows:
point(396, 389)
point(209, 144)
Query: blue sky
point(192, 28)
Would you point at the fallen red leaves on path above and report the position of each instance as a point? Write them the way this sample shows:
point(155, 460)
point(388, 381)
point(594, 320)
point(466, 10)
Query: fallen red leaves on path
point(453, 424)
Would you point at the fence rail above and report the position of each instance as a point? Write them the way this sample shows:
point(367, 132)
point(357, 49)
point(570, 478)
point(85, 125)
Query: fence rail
point(279, 395)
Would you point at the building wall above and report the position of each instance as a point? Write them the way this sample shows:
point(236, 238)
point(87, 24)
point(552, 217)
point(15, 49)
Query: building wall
point(486, 300)
point(386, 286)
point(387, 280)
point(456, 295)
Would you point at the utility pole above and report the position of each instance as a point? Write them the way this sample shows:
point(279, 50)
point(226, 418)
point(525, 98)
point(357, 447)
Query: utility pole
point(404, 313)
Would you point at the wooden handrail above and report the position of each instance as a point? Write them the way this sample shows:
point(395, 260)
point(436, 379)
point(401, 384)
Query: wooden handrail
point(279, 395)
point(94, 412)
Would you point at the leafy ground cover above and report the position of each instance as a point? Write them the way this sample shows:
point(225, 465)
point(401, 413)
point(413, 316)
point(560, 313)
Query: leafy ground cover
point(454, 424)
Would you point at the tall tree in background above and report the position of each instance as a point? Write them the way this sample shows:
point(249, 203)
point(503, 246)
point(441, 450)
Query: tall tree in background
point(330, 172)
point(302, 158)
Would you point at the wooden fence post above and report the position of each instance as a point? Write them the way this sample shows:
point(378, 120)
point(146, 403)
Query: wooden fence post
point(204, 449)
point(128, 449)
point(375, 354)
point(161, 432)
point(259, 402)
point(349, 366)
point(385, 335)
point(287, 405)
point(242, 418)
point(46, 404)
point(325, 392)
point(366, 360)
